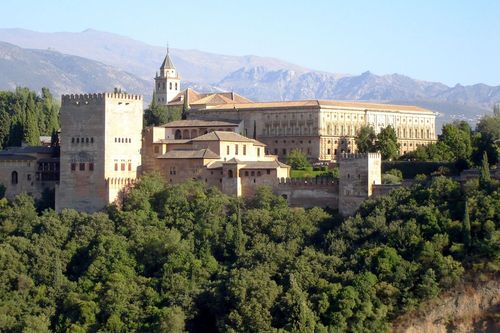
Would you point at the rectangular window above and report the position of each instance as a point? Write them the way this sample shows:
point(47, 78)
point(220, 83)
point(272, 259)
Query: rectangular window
point(73, 166)
point(235, 149)
point(244, 149)
point(123, 167)
point(82, 166)
point(129, 166)
point(268, 171)
point(116, 166)
point(227, 150)
point(258, 151)
point(91, 166)
point(157, 149)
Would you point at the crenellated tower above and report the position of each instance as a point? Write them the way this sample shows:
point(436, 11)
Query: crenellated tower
point(101, 141)
point(168, 82)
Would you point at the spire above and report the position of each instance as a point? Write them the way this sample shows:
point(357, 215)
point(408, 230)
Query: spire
point(167, 63)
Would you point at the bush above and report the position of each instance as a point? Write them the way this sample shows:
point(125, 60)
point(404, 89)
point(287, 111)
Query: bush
point(410, 169)
point(298, 160)
point(2, 190)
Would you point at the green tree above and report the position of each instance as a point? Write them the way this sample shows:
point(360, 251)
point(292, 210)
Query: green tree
point(365, 139)
point(457, 137)
point(466, 226)
point(387, 143)
point(298, 160)
point(485, 177)
point(31, 135)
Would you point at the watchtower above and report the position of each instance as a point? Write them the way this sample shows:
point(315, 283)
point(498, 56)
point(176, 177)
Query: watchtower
point(100, 149)
point(357, 175)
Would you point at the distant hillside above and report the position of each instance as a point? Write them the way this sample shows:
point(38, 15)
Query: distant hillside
point(258, 78)
point(61, 73)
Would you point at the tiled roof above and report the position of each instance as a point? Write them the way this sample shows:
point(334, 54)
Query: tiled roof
point(31, 150)
point(317, 104)
point(225, 136)
point(16, 157)
point(198, 123)
point(167, 62)
point(263, 164)
point(195, 98)
point(202, 153)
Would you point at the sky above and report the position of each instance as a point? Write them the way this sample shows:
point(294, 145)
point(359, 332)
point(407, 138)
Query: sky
point(449, 41)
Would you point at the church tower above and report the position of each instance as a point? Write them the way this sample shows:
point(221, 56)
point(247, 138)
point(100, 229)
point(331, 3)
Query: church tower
point(168, 83)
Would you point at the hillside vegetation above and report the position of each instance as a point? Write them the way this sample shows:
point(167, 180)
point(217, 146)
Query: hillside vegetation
point(189, 258)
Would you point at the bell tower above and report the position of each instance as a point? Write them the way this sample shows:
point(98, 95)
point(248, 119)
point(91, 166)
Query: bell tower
point(168, 83)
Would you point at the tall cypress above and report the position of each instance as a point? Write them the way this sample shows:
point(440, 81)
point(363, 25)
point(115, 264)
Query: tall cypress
point(466, 226)
point(485, 177)
point(31, 133)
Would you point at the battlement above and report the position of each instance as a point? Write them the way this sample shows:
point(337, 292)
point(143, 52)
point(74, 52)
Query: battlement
point(101, 96)
point(357, 156)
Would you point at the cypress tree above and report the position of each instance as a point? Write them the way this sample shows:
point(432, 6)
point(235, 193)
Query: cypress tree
point(485, 177)
point(466, 227)
point(31, 133)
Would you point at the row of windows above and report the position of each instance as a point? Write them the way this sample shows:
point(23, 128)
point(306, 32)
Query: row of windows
point(252, 173)
point(123, 140)
point(170, 86)
point(82, 166)
point(82, 140)
point(236, 150)
point(122, 166)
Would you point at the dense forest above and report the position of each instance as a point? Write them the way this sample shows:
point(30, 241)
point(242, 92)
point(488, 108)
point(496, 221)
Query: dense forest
point(24, 116)
point(189, 258)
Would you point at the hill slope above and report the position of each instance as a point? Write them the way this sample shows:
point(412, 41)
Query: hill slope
point(61, 73)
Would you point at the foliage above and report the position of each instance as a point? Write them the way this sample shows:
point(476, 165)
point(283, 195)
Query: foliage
point(410, 169)
point(298, 160)
point(387, 143)
point(393, 176)
point(24, 116)
point(2, 190)
point(156, 115)
point(365, 140)
point(189, 258)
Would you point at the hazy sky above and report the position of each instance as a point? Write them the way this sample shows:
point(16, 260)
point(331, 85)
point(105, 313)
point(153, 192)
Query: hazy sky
point(452, 41)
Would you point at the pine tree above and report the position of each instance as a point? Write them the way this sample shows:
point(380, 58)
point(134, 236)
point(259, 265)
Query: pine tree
point(485, 177)
point(466, 227)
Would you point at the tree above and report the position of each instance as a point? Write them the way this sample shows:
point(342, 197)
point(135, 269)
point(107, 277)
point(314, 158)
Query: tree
point(457, 137)
point(365, 140)
point(31, 132)
point(387, 143)
point(485, 177)
point(466, 227)
point(298, 160)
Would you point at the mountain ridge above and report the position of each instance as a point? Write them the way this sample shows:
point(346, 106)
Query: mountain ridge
point(258, 78)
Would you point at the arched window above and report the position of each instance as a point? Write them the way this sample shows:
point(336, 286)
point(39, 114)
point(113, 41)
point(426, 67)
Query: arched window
point(178, 134)
point(176, 86)
point(185, 134)
point(194, 133)
point(170, 86)
point(14, 177)
point(230, 173)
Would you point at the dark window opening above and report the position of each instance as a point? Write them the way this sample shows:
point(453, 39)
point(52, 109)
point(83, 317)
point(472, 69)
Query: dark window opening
point(14, 177)
point(82, 167)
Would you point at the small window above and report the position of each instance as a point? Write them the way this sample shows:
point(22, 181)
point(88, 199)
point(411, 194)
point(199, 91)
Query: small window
point(268, 171)
point(284, 151)
point(122, 166)
point(227, 150)
point(77, 140)
point(246, 173)
point(328, 151)
point(129, 166)
point(236, 149)
point(252, 173)
point(91, 166)
point(170, 86)
point(258, 173)
point(176, 86)
point(244, 149)
point(72, 140)
point(230, 173)
point(92, 140)
point(258, 151)
point(82, 167)
point(73, 166)
point(157, 149)
point(116, 166)
point(28, 177)
point(13, 177)
point(87, 140)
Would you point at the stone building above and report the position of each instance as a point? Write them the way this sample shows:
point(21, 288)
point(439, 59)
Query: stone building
point(233, 163)
point(322, 129)
point(101, 138)
point(30, 170)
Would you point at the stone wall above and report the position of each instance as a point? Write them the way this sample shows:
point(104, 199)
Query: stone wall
point(309, 192)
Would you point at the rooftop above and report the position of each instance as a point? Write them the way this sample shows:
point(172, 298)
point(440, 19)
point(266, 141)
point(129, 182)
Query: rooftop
point(198, 123)
point(202, 153)
point(225, 136)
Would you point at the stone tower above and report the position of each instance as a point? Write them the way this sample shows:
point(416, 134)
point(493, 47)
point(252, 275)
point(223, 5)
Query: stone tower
point(100, 149)
point(357, 175)
point(168, 83)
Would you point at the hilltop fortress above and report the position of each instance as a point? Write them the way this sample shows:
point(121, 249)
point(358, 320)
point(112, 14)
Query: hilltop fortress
point(227, 142)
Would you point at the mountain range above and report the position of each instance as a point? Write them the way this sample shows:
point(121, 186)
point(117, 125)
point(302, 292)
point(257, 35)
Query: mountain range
point(92, 60)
